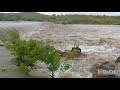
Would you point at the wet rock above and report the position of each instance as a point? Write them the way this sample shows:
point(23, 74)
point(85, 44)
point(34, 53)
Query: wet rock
point(107, 66)
point(105, 70)
point(60, 52)
point(118, 60)
point(75, 50)
point(94, 70)
point(117, 69)
point(40, 65)
point(65, 54)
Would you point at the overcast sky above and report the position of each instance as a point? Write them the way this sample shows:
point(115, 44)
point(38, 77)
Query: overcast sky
point(86, 13)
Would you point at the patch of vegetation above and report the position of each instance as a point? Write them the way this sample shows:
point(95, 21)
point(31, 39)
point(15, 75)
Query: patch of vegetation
point(23, 68)
point(26, 53)
point(23, 16)
point(64, 19)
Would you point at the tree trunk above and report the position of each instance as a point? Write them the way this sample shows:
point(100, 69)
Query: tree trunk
point(52, 74)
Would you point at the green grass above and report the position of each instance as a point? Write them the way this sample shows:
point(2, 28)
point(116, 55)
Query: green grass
point(23, 16)
point(64, 19)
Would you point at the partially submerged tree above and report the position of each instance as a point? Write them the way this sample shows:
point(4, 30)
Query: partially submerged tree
point(26, 53)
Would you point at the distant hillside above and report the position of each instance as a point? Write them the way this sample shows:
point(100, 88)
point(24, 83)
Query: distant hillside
point(29, 16)
point(64, 19)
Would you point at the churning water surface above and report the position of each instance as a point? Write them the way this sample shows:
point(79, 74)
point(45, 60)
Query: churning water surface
point(99, 42)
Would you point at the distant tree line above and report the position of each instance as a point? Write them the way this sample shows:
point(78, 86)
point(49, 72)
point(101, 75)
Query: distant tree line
point(87, 19)
point(5, 17)
point(63, 19)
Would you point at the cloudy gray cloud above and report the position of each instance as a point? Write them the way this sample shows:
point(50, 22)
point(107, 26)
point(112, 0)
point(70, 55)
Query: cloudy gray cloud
point(86, 13)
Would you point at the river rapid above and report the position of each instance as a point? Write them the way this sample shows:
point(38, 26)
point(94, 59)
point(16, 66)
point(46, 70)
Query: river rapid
point(99, 42)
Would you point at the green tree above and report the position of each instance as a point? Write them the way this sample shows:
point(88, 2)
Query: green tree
point(26, 53)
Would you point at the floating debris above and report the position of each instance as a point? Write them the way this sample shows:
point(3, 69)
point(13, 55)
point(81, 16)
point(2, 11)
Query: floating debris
point(75, 50)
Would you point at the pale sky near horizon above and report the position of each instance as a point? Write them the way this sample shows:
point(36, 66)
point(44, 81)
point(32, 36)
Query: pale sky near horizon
point(86, 13)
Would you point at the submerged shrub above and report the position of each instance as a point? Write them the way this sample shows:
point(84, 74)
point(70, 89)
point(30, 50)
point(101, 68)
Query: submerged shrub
point(26, 53)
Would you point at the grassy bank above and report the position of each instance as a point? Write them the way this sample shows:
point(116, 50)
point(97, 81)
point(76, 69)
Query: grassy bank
point(88, 19)
point(64, 19)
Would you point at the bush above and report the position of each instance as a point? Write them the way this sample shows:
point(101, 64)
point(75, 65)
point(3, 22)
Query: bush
point(23, 68)
point(26, 53)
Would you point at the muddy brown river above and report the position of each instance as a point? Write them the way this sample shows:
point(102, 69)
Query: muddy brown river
point(99, 42)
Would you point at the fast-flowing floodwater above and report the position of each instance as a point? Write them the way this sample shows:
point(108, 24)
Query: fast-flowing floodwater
point(99, 42)
point(7, 69)
point(22, 27)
